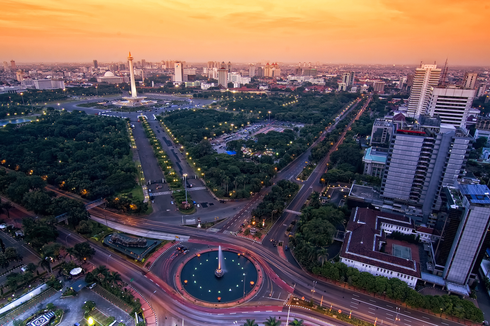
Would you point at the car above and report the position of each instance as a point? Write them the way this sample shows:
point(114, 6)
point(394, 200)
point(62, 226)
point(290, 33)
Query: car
point(92, 286)
point(171, 202)
point(198, 205)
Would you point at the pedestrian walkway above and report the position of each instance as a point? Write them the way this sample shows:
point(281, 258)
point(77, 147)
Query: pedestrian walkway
point(112, 299)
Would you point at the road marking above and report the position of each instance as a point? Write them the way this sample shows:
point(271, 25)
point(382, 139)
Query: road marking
point(372, 312)
point(372, 300)
point(426, 317)
point(389, 314)
point(355, 307)
point(354, 295)
point(444, 323)
point(408, 324)
point(389, 306)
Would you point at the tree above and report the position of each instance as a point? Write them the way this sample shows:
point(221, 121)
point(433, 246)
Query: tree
point(11, 253)
point(271, 321)
point(250, 322)
point(296, 322)
point(83, 251)
point(49, 253)
point(322, 256)
point(88, 306)
point(7, 206)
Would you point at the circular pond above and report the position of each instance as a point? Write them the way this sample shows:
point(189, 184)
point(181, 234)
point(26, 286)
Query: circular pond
point(199, 280)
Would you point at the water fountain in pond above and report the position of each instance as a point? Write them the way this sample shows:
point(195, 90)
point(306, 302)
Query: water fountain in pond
point(219, 272)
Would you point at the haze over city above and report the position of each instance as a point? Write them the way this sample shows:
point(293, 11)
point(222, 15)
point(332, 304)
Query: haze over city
point(354, 31)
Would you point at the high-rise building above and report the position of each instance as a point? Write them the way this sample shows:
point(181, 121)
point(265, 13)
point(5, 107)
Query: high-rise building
point(379, 87)
point(346, 78)
point(228, 66)
point(426, 76)
point(178, 72)
point(469, 80)
point(223, 75)
point(451, 104)
point(20, 75)
point(298, 71)
point(260, 72)
point(352, 78)
point(421, 159)
point(482, 88)
point(96, 64)
point(210, 64)
point(12, 65)
point(470, 235)
point(143, 63)
point(251, 70)
point(6, 66)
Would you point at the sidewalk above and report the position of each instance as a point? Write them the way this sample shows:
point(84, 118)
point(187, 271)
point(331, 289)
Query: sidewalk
point(158, 253)
point(148, 313)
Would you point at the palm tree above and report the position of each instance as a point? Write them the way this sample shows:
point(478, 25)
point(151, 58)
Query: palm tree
point(322, 256)
point(271, 321)
point(250, 322)
point(296, 322)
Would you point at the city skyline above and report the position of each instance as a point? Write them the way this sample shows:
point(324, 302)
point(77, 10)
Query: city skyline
point(353, 32)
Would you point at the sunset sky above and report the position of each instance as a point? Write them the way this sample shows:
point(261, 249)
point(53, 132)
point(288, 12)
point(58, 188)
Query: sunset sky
point(329, 31)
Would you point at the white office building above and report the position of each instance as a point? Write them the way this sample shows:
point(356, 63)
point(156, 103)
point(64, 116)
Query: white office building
point(452, 104)
point(426, 76)
point(178, 73)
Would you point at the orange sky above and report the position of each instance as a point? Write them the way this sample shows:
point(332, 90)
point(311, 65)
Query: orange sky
point(329, 31)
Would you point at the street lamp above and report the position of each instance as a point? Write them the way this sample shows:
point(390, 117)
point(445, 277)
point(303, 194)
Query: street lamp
point(269, 116)
point(185, 186)
point(22, 94)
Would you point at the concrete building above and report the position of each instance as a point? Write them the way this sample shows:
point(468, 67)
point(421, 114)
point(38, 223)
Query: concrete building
point(483, 128)
point(96, 64)
point(482, 88)
point(346, 79)
point(48, 84)
point(367, 248)
point(374, 162)
point(422, 158)
point(342, 87)
point(13, 66)
point(110, 78)
point(470, 235)
point(223, 76)
point(251, 70)
point(379, 87)
point(451, 104)
point(426, 76)
point(178, 72)
point(469, 80)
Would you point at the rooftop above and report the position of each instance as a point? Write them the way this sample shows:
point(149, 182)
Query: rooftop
point(375, 157)
point(363, 240)
point(476, 194)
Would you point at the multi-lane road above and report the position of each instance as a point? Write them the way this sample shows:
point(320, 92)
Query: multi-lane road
point(171, 312)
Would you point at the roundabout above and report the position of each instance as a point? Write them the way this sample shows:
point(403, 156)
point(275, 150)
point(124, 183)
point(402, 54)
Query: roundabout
point(204, 279)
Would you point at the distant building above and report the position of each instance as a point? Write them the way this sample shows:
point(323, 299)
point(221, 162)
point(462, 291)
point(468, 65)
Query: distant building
point(379, 87)
point(426, 76)
point(452, 104)
point(110, 78)
point(251, 70)
point(6, 67)
point(19, 75)
point(223, 76)
point(482, 88)
point(342, 87)
point(469, 80)
point(13, 66)
point(482, 128)
point(374, 162)
point(228, 66)
point(48, 84)
point(96, 64)
point(178, 72)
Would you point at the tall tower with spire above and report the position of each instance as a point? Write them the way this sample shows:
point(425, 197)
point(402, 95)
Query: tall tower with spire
point(134, 93)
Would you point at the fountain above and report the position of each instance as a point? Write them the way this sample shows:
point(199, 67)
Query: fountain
point(219, 272)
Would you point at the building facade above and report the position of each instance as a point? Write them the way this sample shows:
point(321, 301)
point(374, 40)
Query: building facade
point(452, 104)
point(421, 159)
point(178, 72)
point(426, 76)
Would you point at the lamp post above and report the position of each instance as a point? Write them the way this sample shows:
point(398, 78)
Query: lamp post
point(185, 187)
point(269, 117)
point(22, 94)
